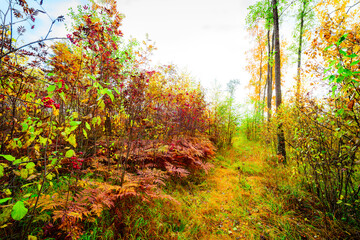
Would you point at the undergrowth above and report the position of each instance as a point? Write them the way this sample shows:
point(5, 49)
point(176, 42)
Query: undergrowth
point(247, 195)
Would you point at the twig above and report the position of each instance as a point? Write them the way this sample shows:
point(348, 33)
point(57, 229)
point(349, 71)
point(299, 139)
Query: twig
point(19, 69)
point(38, 41)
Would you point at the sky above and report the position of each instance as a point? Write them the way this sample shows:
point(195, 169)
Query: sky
point(206, 38)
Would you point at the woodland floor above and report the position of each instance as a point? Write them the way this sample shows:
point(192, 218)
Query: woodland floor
point(247, 195)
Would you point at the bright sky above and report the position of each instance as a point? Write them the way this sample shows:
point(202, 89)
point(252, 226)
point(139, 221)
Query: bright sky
point(207, 38)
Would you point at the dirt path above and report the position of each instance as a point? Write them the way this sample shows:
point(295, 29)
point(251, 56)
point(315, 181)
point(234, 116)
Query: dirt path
point(238, 200)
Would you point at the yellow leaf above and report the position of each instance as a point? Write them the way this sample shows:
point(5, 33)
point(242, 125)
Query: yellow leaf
point(101, 104)
point(4, 226)
point(7, 192)
point(55, 112)
point(85, 133)
point(75, 115)
point(24, 173)
point(50, 176)
point(72, 140)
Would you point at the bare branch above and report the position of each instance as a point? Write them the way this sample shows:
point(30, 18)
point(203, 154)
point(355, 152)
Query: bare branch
point(26, 45)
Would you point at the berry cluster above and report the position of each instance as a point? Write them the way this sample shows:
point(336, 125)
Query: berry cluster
point(108, 102)
point(49, 102)
point(76, 162)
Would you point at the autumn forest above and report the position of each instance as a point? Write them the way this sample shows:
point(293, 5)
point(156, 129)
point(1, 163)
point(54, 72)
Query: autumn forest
point(97, 142)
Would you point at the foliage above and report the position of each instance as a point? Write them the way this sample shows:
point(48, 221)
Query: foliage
point(252, 122)
point(90, 130)
point(321, 123)
point(224, 115)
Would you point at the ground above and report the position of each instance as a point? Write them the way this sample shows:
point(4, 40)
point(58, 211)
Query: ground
point(247, 195)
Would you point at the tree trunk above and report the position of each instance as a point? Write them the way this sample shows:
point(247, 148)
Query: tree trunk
point(298, 77)
point(280, 134)
point(269, 78)
point(260, 75)
point(259, 107)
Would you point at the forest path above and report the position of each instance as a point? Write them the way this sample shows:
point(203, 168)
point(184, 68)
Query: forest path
point(239, 199)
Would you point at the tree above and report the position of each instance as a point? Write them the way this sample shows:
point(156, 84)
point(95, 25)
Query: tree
point(305, 14)
point(256, 63)
point(261, 11)
point(280, 134)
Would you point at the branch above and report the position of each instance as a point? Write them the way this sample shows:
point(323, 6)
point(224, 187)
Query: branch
point(38, 41)
point(20, 21)
point(19, 69)
point(286, 8)
point(345, 7)
point(347, 12)
point(3, 31)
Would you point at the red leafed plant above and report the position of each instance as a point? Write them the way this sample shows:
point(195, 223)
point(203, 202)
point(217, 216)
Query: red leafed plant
point(91, 131)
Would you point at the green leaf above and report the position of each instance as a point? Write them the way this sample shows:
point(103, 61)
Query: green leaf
point(18, 211)
point(109, 93)
point(352, 55)
point(73, 128)
point(75, 123)
point(354, 63)
point(85, 133)
point(343, 52)
point(17, 161)
point(4, 200)
point(87, 125)
point(62, 95)
point(53, 161)
point(102, 91)
point(342, 38)
point(51, 74)
point(25, 126)
point(30, 165)
point(332, 63)
point(94, 121)
point(69, 130)
point(70, 153)
point(88, 90)
point(327, 48)
point(8, 157)
point(340, 78)
point(333, 90)
point(42, 140)
point(1, 171)
point(92, 77)
point(51, 88)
